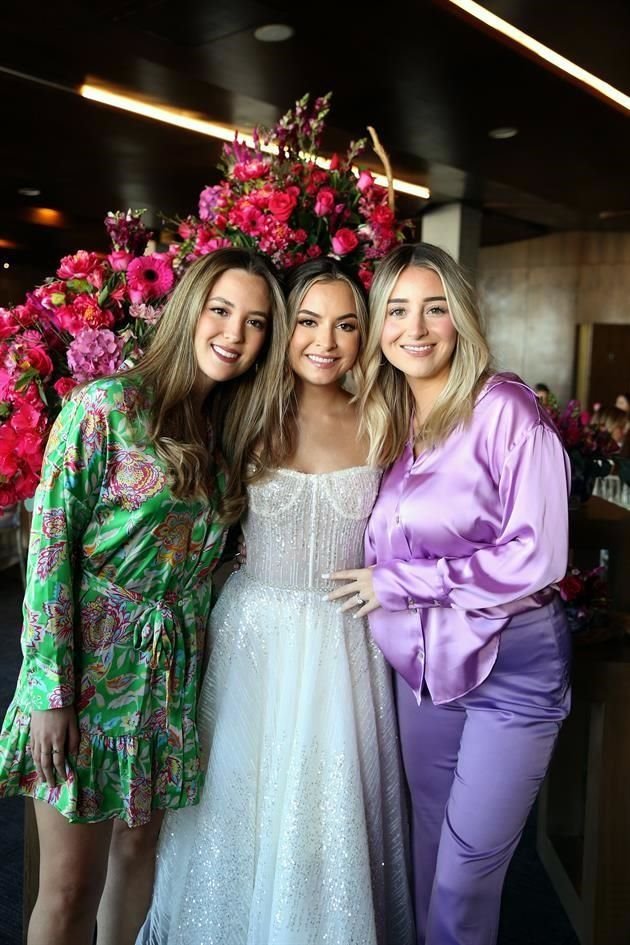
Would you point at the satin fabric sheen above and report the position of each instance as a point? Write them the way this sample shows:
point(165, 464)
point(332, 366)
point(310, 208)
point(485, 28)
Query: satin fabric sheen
point(464, 537)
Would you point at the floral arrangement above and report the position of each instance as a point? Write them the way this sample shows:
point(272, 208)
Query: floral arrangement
point(586, 597)
point(276, 197)
point(84, 323)
point(98, 311)
point(589, 449)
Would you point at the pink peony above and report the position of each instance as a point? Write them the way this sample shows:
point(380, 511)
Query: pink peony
point(344, 241)
point(94, 353)
point(149, 277)
point(250, 170)
point(79, 266)
point(84, 312)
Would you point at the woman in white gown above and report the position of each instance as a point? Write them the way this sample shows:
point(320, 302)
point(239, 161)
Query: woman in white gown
point(300, 834)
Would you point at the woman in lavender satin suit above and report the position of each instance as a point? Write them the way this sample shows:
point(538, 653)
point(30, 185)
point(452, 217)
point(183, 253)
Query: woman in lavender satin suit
point(465, 542)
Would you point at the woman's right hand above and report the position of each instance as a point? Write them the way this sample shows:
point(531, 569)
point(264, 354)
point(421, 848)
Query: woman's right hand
point(54, 736)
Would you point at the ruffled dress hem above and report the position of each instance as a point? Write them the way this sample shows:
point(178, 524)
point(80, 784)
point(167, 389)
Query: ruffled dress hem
point(123, 777)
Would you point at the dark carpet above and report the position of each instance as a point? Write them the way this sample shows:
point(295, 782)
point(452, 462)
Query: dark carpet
point(531, 913)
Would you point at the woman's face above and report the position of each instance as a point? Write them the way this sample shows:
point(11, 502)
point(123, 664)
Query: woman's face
point(325, 341)
point(622, 403)
point(232, 327)
point(418, 336)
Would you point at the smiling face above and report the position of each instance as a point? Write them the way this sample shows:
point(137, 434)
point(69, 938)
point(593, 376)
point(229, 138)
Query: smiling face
point(418, 336)
point(232, 327)
point(325, 341)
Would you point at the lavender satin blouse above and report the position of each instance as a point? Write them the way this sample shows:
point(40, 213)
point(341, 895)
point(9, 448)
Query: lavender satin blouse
point(465, 536)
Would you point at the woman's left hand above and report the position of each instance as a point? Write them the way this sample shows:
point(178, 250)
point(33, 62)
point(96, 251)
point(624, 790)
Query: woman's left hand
point(360, 590)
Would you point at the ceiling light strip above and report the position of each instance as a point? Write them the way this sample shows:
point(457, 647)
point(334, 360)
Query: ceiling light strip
point(212, 130)
point(543, 52)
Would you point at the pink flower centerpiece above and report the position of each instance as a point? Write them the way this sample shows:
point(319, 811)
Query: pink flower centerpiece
point(98, 312)
point(277, 197)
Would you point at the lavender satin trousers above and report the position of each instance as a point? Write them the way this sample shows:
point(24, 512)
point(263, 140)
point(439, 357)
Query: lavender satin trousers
point(474, 767)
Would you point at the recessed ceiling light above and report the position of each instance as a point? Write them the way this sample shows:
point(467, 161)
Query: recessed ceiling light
point(5, 265)
point(274, 32)
point(29, 191)
point(504, 132)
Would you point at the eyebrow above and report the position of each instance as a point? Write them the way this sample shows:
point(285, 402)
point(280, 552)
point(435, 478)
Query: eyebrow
point(219, 298)
point(429, 298)
point(306, 311)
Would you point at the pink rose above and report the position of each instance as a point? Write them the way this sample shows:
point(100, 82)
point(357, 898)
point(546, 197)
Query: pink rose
point(119, 260)
point(344, 241)
point(281, 205)
point(325, 201)
point(382, 216)
point(64, 385)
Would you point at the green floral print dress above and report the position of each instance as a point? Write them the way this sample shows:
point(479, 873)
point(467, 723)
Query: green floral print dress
point(118, 597)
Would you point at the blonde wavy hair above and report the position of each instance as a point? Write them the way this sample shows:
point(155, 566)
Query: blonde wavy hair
point(277, 438)
point(169, 369)
point(386, 404)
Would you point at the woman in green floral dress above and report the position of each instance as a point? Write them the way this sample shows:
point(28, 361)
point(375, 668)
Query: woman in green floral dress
point(129, 522)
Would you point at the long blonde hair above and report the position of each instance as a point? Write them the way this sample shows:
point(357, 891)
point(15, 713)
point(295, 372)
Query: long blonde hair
point(169, 369)
point(277, 439)
point(386, 403)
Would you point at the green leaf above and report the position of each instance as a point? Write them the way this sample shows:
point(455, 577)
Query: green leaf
point(26, 378)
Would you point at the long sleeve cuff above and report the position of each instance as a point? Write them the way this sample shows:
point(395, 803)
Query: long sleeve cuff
point(406, 585)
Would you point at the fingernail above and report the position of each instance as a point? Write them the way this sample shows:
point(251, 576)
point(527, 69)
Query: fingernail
point(325, 576)
point(326, 597)
point(356, 616)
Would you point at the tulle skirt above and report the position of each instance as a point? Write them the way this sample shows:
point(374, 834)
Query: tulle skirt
point(300, 836)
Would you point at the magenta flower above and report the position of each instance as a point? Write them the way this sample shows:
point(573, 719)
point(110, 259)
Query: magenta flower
point(149, 277)
point(79, 266)
point(93, 353)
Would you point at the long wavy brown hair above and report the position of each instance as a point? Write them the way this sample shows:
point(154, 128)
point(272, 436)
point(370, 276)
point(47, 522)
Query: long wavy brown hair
point(169, 369)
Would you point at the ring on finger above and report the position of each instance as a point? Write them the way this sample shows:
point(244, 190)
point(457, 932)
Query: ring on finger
point(359, 601)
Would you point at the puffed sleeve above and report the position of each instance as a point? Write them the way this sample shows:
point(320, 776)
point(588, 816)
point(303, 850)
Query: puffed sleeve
point(530, 551)
point(72, 474)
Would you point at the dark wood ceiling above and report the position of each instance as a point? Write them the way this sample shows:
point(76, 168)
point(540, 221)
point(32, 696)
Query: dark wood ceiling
point(430, 80)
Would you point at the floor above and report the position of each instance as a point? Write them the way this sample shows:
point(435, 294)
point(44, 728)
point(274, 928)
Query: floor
point(531, 913)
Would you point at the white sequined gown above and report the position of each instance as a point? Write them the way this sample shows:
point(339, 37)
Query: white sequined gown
point(299, 838)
